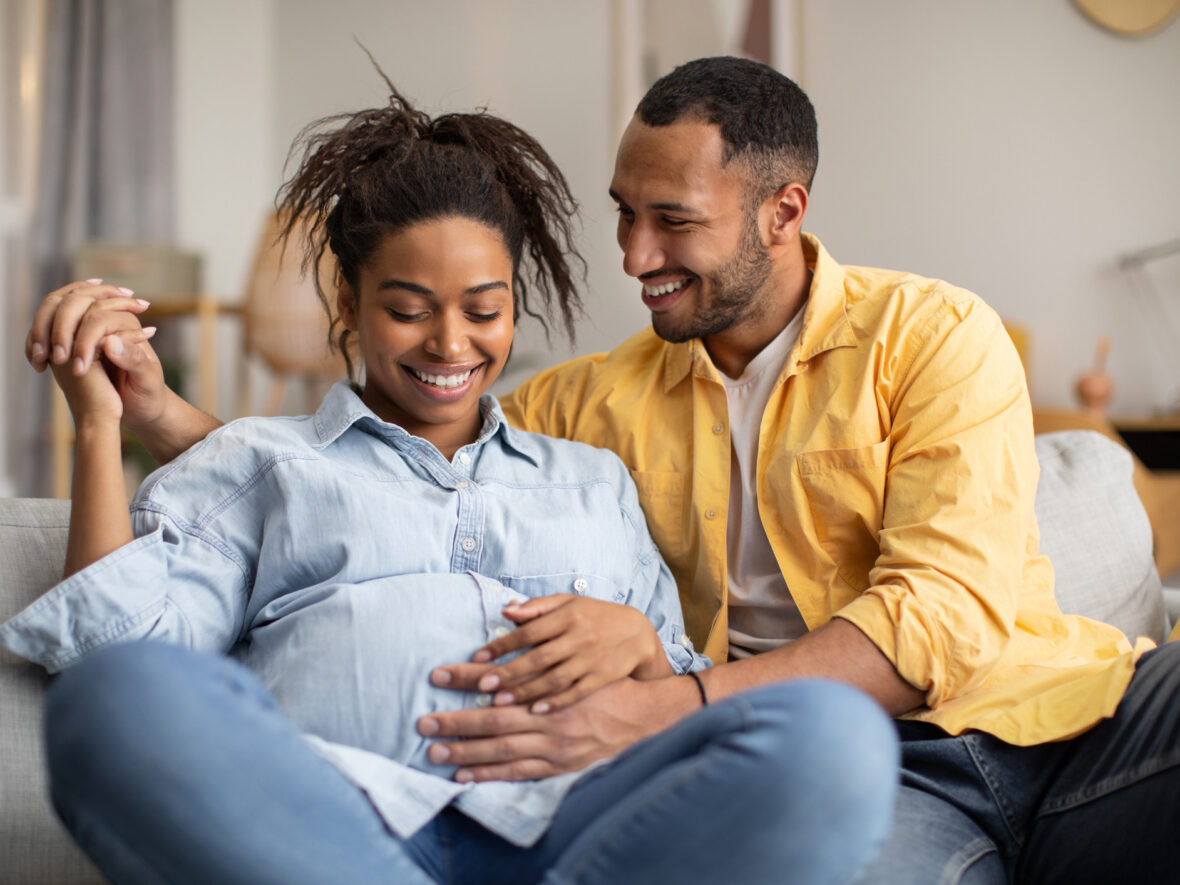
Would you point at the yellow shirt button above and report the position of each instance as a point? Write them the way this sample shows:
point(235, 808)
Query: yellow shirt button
point(719, 428)
point(710, 513)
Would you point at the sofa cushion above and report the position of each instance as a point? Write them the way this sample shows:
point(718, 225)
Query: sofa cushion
point(1096, 533)
point(33, 846)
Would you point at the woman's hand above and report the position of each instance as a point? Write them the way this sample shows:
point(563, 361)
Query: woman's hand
point(577, 646)
point(79, 323)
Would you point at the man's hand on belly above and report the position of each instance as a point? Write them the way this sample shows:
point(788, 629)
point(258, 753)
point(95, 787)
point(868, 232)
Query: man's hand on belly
point(512, 744)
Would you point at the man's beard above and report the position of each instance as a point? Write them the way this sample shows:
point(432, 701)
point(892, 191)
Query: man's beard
point(734, 291)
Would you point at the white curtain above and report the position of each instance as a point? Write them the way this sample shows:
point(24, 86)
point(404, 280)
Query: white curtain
point(105, 159)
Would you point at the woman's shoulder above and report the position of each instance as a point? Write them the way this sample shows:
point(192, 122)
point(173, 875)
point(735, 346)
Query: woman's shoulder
point(232, 456)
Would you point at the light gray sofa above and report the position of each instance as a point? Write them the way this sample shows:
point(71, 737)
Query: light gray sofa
point(1092, 527)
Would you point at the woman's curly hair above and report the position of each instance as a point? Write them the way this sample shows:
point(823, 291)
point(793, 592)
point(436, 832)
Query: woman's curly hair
point(367, 175)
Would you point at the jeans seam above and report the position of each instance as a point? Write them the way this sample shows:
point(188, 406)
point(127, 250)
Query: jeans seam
point(970, 853)
point(997, 793)
point(1111, 784)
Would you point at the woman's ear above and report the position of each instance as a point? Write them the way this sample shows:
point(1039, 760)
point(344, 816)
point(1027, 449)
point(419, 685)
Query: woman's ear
point(346, 304)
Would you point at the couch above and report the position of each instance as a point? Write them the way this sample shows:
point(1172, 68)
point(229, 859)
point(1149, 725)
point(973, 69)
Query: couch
point(1093, 528)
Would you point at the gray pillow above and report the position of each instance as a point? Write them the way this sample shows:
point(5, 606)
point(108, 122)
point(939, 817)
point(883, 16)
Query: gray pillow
point(1096, 533)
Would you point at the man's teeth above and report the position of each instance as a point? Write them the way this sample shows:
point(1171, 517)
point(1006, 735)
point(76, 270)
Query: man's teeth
point(666, 289)
point(444, 381)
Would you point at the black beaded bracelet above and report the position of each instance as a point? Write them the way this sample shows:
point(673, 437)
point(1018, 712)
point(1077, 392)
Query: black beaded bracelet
point(700, 687)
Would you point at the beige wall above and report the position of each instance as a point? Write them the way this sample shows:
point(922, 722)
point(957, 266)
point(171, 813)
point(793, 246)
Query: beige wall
point(1011, 147)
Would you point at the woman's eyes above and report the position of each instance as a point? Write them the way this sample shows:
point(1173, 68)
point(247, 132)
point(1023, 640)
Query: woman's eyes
point(473, 315)
point(484, 317)
point(405, 317)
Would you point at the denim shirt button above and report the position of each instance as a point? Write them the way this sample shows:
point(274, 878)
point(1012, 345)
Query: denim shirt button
point(468, 544)
point(580, 585)
point(462, 484)
point(483, 700)
point(501, 631)
point(464, 458)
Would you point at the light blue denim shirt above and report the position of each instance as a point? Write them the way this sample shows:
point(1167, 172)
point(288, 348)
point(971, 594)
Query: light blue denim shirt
point(341, 558)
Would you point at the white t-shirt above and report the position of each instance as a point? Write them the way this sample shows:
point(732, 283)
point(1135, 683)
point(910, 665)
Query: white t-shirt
point(762, 614)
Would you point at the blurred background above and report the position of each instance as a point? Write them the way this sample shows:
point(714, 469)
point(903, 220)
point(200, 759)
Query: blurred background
point(1019, 148)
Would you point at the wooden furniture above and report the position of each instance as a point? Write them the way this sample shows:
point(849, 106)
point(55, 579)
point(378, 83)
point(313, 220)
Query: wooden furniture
point(206, 310)
point(1159, 490)
point(284, 325)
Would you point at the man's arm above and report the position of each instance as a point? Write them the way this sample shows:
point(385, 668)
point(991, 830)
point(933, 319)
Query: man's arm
point(509, 743)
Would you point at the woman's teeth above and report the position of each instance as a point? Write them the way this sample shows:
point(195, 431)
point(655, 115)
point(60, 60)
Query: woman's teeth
point(443, 381)
point(666, 289)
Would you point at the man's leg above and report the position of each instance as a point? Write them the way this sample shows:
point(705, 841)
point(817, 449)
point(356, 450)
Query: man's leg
point(790, 782)
point(1113, 810)
point(172, 766)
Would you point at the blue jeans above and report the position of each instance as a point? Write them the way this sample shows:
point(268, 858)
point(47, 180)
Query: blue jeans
point(172, 766)
point(1103, 807)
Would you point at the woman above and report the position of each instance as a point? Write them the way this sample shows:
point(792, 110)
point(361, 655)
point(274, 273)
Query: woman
point(337, 558)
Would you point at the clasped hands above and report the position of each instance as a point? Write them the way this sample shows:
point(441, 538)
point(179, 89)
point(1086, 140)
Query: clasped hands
point(561, 704)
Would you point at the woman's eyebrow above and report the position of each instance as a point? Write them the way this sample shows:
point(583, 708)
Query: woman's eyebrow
point(406, 285)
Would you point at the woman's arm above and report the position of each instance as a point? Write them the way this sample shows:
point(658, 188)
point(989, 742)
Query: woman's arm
point(99, 518)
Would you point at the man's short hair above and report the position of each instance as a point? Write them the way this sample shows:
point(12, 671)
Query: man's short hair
point(767, 122)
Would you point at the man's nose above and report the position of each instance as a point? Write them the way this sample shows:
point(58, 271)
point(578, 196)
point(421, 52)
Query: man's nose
point(643, 251)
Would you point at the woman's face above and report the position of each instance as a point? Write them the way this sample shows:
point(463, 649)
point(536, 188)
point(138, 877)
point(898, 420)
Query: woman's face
point(433, 318)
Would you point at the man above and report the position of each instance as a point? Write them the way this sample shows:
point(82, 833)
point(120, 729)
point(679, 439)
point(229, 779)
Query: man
point(837, 464)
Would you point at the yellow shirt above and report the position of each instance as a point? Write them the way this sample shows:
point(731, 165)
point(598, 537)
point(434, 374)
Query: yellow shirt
point(896, 479)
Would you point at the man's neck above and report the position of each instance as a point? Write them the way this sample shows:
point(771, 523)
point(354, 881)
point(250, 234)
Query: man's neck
point(732, 350)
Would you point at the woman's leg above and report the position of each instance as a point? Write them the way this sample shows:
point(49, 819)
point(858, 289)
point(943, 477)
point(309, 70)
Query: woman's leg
point(172, 766)
point(790, 782)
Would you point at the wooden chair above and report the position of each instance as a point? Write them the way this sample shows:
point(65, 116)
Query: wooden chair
point(284, 326)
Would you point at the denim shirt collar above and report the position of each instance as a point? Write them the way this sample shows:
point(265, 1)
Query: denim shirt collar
point(342, 408)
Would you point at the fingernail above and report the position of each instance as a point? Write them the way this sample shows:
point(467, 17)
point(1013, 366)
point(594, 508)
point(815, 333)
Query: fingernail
point(504, 699)
point(125, 291)
point(79, 366)
point(540, 707)
point(116, 345)
point(149, 331)
point(38, 350)
point(440, 753)
point(94, 282)
point(427, 726)
point(440, 677)
point(489, 683)
point(59, 354)
point(142, 302)
point(464, 776)
point(482, 656)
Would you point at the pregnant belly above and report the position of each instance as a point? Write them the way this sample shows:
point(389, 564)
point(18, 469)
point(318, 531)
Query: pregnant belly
point(351, 663)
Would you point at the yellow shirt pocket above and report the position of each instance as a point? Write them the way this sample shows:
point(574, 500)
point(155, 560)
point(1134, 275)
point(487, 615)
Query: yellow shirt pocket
point(846, 495)
point(661, 495)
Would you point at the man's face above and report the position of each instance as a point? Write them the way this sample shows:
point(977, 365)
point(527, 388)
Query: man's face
point(687, 231)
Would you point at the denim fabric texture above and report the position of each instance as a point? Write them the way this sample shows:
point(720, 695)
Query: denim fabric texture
point(789, 782)
point(341, 558)
point(1101, 807)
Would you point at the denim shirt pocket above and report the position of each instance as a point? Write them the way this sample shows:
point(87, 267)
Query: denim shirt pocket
point(846, 494)
point(575, 583)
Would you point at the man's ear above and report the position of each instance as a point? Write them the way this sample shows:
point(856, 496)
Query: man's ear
point(787, 208)
point(346, 304)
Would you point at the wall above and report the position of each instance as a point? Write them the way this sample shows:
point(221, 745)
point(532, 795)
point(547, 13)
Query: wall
point(1016, 149)
point(1011, 147)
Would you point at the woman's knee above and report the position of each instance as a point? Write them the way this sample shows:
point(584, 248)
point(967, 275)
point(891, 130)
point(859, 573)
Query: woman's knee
point(821, 735)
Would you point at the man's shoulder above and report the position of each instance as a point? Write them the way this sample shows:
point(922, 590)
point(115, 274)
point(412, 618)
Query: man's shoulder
point(907, 307)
